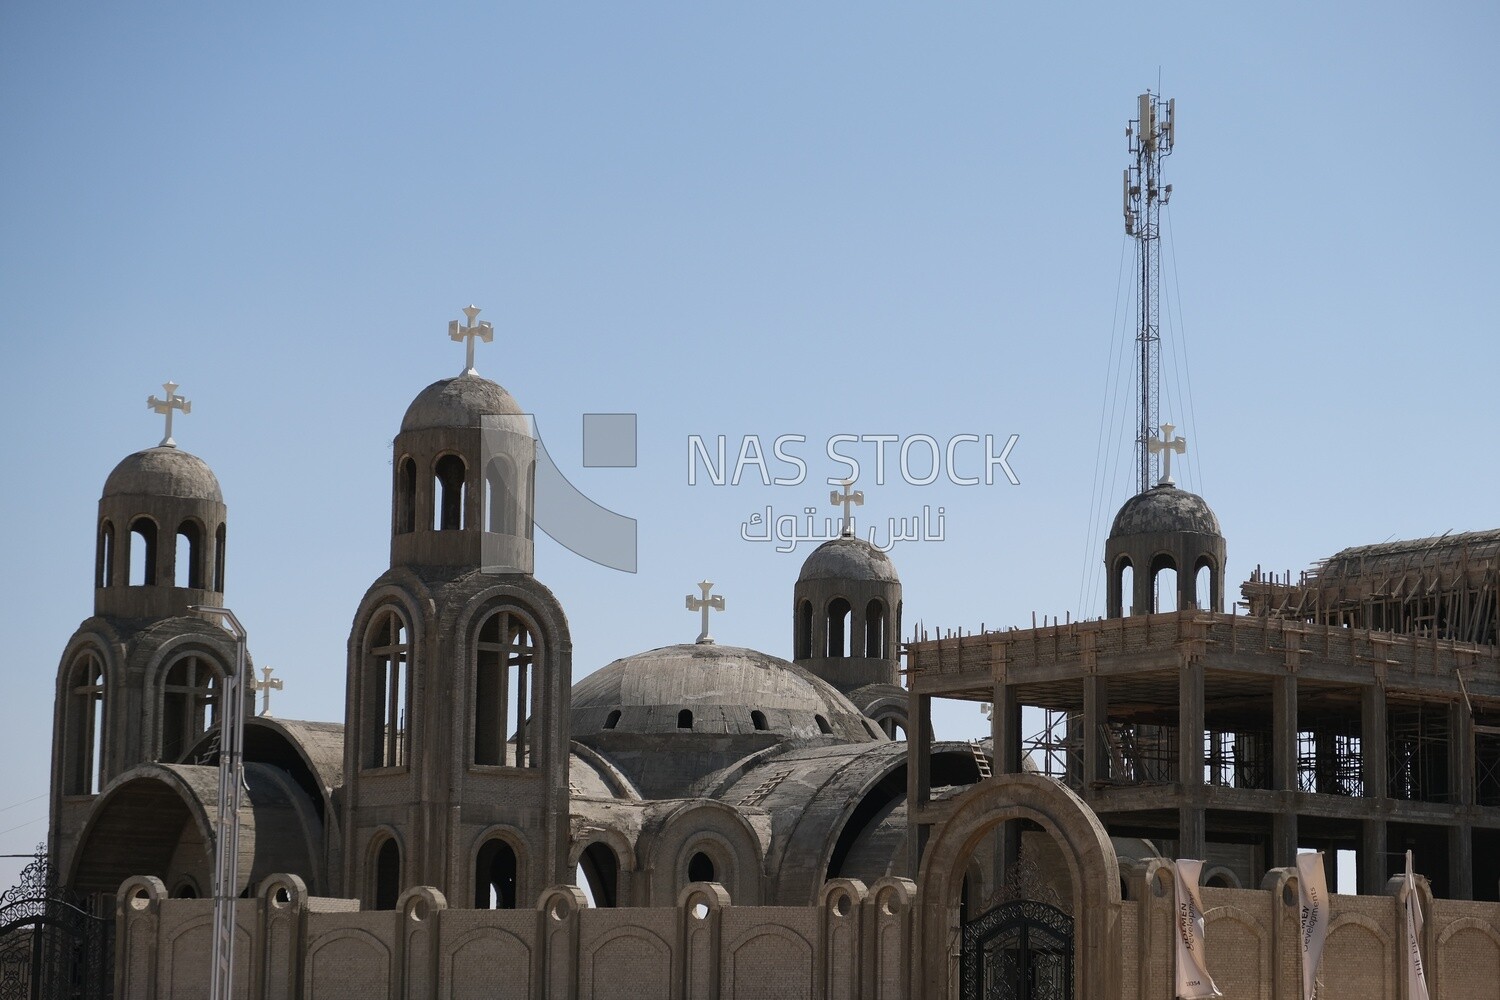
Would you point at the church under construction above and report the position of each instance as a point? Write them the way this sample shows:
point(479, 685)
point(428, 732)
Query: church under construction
point(749, 825)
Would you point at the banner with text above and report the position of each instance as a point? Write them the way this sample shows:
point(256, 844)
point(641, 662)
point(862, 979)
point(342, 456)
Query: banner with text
point(1193, 980)
point(1416, 975)
point(1312, 890)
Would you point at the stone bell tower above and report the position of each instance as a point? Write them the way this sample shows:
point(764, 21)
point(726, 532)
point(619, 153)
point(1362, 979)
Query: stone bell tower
point(846, 610)
point(140, 680)
point(460, 666)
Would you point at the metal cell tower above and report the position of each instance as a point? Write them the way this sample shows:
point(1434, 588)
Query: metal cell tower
point(1150, 139)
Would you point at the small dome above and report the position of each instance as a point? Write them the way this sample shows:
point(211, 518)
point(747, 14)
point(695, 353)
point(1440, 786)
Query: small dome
point(462, 401)
point(848, 558)
point(1165, 508)
point(164, 472)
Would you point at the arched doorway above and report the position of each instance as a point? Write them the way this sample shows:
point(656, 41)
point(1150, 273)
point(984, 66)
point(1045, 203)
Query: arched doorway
point(1021, 949)
point(1049, 958)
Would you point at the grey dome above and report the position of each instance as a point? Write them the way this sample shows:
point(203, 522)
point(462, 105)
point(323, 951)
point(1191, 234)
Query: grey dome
point(721, 685)
point(164, 472)
point(848, 558)
point(1164, 509)
point(463, 401)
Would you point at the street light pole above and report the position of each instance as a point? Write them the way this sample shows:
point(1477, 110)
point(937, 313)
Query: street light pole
point(231, 780)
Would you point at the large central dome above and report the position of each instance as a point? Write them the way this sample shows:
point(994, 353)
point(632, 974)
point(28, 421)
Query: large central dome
point(462, 401)
point(669, 717)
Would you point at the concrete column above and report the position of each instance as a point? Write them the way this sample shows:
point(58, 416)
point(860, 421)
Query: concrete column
point(1192, 833)
point(1372, 860)
point(1461, 754)
point(919, 772)
point(1141, 600)
point(1374, 746)
point(1283, 846)
point(1461, 862)
point(1095, 715)
point(1005, 727)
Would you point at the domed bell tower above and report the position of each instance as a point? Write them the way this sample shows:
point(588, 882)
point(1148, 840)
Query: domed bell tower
point(140, 680)
point(460, 667)
point(846, 627)
point(465, 469)
point(1164, 529)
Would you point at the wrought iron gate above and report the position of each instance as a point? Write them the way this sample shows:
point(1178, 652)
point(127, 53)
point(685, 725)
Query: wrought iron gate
point(51, 946)
point(1020, 950)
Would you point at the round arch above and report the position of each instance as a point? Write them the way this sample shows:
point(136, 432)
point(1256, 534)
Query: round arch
point(488, 849)
point(1084, 843)
point(721, 833)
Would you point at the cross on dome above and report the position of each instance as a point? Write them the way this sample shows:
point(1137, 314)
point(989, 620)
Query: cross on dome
point(703, 604)
point(482, 331)
point(846, 499)
point(1165, 446)
point(166, 406)
point(266, 685)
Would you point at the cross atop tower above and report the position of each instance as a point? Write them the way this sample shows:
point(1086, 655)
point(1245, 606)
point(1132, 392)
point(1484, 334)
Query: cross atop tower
point(483, 331)
point(265, 686)
point(166, 406)
point(703, 604)
point(846, 499)
point(1164, 446)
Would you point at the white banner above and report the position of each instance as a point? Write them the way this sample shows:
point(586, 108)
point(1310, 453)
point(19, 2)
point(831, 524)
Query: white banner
point(1416, 975)
point(1312, 890)
point(1193, 980)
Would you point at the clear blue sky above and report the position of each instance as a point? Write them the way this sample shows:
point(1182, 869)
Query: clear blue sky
point(728, 219)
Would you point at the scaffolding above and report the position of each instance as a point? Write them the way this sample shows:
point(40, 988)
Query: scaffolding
point(1239, 758)
point(1329, 761)
point(1417, 739)
point(1057, 751)
point(1445, 587)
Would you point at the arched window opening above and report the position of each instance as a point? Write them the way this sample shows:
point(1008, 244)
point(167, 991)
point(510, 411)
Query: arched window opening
point(684, 719)
point(613, 720)
point(448, 490)
point(823, 726)
point(185, 890)
point(219, 560)
point(758, 720)
point(188, 572)
point(804, 630)
point(875, 629)
point(838, 627)
point(189, 704)
point(85, 722)
point(601, 873)
point(142, 552)
point(504, 688)
point(495, 872)
point(406, 496)
point(1120, 592)
point(701, 868)
point(500, 497)
point(388, 687)
point(388, 875)
point(104, 557)
point(893, 728)
point(1203, 586)
point(1163, 584)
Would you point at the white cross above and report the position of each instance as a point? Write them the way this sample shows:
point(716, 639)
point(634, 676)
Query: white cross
point(1164, 446)
point(846, 499)
point(484, 331)
point(703, 604)
point(266, 685)
point(166, 406)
